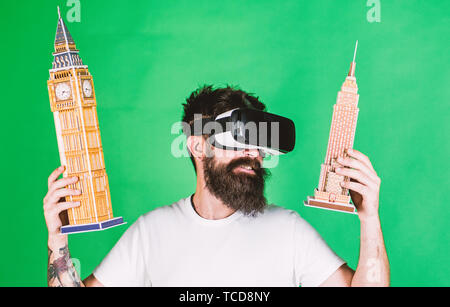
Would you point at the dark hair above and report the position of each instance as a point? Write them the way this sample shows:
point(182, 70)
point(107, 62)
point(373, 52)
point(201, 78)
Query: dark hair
point(211, 102)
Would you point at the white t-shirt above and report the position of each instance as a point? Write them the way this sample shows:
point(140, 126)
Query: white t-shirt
point(174, 246)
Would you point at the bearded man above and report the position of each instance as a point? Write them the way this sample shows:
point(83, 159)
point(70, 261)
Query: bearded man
point(226, 233)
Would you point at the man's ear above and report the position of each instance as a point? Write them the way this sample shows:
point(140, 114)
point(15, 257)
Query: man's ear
point(196, 146)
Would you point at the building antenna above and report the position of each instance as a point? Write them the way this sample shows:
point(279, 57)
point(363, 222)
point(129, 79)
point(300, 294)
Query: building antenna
point(354, 54)
point(351, 72)
point(59, 13)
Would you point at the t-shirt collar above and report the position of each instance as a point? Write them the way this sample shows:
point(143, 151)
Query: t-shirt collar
point(189, 209)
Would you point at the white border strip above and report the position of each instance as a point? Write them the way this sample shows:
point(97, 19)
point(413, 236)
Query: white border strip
point(62, 153)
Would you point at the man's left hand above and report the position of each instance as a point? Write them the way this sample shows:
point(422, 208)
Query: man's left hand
point(364, 183)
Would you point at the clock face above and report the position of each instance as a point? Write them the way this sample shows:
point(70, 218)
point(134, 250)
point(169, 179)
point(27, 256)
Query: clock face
point(63, 91)
point(87, 88)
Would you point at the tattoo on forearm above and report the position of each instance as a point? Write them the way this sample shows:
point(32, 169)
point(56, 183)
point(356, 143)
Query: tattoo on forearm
point(51, 273)
point(61, 271)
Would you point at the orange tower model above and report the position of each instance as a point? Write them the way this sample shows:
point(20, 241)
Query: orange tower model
point(329, 194)
point(72, 101)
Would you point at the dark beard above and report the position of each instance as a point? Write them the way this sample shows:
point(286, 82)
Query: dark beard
point(244, 192)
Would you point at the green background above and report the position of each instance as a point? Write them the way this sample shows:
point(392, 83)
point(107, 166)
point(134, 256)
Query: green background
point(147, 56)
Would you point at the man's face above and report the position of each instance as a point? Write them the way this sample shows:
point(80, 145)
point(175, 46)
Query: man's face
point(237, 178)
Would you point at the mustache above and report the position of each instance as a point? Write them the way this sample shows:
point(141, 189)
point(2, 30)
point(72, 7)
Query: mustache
point(244, 161)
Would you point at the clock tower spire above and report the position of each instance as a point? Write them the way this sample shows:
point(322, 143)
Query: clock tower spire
point(66, 53)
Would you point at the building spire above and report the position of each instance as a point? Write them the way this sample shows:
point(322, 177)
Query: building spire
point(351, 72)
point(63, 36)
point(354, 54)
point(66, 53)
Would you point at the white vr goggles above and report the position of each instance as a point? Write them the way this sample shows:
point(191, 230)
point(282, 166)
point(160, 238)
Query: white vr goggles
point(240, 129)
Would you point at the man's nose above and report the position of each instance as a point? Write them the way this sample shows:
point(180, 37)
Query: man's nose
point(253, 153)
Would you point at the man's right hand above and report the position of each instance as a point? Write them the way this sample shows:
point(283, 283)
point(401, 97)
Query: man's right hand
point(61, 271)
point(57, 189)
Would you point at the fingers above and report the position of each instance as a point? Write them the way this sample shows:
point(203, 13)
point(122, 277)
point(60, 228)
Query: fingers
point(359, 165)
point(54, 196)
point(354, 186)
point(61, 183)
point(65, 192)
point(55, 174)
point(360, 156)
point(355, 174)
point(56, 192)
point(359, 168)
point(364, 184)
point(67, 205)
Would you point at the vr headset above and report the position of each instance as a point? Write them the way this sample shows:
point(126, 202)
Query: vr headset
point(240, 129)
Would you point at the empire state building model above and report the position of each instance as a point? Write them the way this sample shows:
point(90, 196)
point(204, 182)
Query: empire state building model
point(73, 103)
point(329, 194)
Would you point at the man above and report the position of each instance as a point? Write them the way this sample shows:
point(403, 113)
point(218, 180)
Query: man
point(226, 234)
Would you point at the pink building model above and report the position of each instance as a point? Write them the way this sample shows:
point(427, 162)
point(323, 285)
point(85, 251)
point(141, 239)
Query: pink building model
point(329, 194)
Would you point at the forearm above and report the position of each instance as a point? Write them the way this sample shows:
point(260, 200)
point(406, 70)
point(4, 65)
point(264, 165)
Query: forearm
point(61, 271)
point(373, 265)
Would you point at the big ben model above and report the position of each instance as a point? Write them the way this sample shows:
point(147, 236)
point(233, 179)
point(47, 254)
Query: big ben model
point(329, 194)
point(73, 103)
